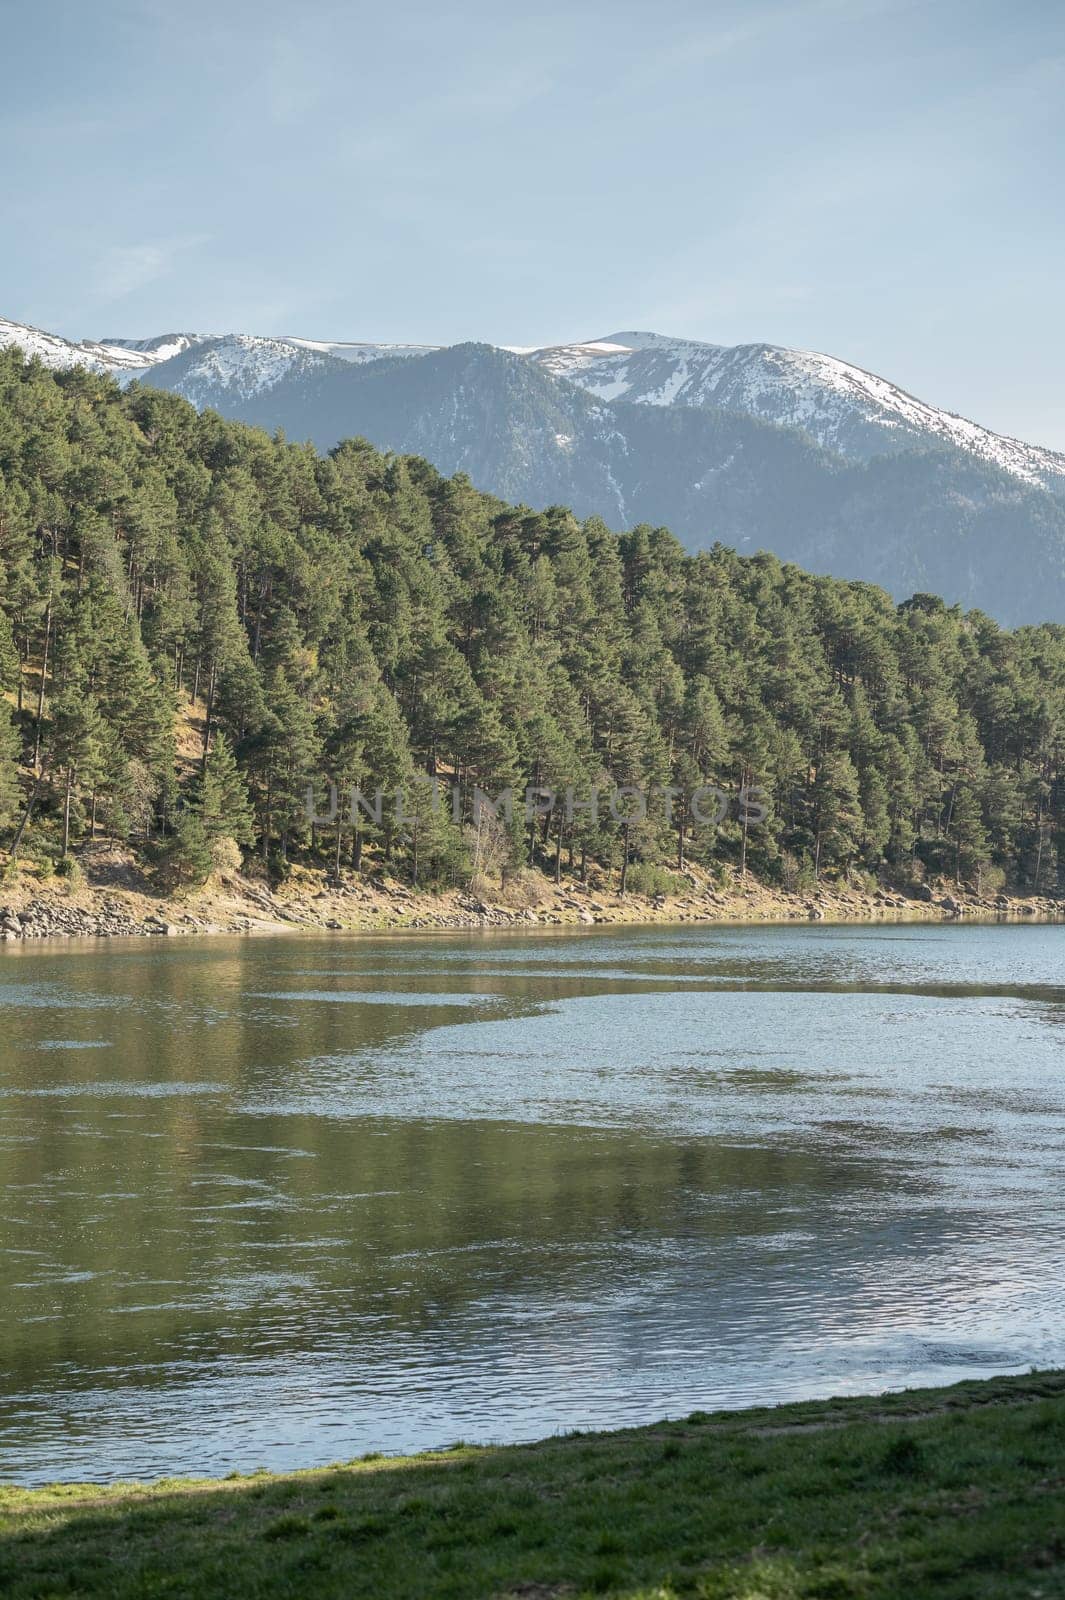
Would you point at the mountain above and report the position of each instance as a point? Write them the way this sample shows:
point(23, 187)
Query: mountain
point(243, 361)
point(54, 351)
point(937, 519)
point(843, 407)
point(754, 446)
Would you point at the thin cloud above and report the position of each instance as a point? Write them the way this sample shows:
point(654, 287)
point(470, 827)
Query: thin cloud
point(123, 269)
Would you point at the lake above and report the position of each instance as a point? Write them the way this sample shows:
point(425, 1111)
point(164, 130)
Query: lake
point(279, 1202)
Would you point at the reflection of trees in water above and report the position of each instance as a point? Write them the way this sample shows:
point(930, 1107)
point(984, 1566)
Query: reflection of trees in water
point(210, 1233)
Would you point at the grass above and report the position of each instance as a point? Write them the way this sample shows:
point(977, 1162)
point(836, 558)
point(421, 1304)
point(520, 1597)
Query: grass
point(953, 1493)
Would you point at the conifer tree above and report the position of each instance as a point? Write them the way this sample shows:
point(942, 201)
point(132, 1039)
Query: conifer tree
point(222, 801)
point(76, 747)
point(837, 812)
point(9, 770)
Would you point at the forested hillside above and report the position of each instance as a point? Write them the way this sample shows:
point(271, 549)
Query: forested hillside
point(932, 518)
point(197, 619)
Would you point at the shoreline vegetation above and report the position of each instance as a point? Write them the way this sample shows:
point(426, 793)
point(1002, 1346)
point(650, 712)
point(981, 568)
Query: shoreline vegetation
point(956, 1492)
point(112, 897)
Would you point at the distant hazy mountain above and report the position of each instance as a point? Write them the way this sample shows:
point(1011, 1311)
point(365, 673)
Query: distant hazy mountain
point(842, 406)
point(755, 446)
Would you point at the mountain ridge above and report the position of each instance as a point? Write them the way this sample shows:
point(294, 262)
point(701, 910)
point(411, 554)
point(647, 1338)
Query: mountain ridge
point(769, 458)
point(843, 406)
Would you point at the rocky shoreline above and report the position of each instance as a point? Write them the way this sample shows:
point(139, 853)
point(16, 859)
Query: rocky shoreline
point(312, 903)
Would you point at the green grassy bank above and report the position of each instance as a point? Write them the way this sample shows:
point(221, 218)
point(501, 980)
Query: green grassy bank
point(955, 1492)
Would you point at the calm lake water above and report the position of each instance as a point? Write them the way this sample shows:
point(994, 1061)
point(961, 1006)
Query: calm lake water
point(280, 1202)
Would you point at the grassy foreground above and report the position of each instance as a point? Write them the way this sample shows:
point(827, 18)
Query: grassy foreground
point(955, 1492)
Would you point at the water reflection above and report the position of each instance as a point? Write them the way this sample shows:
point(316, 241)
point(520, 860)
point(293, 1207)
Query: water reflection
point(284, 1201)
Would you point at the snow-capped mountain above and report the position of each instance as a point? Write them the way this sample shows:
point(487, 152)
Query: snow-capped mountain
point(842, 406)
point(756, 446)
point(233, 365)
point(113, 356)
point(221, 372)
point(360, 353)
point(163, 347)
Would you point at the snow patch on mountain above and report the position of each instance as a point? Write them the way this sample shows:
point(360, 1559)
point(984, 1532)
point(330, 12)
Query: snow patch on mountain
point(359, 354)
point(844, 407)
point(164, 346)
point(237, 367)
point(56, 352)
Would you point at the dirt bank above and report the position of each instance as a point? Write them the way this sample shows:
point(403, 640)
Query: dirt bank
point(114, 899)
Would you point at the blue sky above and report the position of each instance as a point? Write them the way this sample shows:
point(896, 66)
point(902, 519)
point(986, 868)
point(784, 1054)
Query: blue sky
point(874, 178)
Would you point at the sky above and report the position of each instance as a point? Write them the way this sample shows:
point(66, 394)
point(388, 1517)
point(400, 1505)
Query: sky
point(878, 179)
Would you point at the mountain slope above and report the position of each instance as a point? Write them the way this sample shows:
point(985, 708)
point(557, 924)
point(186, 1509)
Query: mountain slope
point(938, 519)
point(843, 407)
point(524, 435)
point(754, 446)
point(54, 351)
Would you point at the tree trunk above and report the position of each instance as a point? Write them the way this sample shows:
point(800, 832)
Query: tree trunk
point(38, 784)
point(210, 709)
point(44, 677)
point(624, 857)
point(66, 811)
point(1039, 847)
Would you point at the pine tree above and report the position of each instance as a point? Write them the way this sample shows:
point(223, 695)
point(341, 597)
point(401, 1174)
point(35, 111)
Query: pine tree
point(875, 816)
point(188, 858)
point(837, 812)
point(285, 758)
point(9, 769)
point(971, 855)
point(76, 747)
point(434, 843)
point(222, 802)
point(9, 662)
